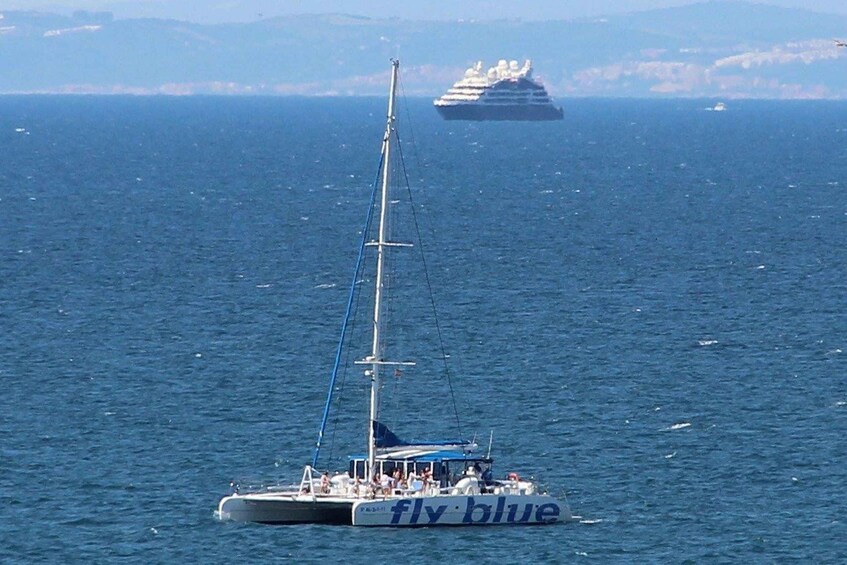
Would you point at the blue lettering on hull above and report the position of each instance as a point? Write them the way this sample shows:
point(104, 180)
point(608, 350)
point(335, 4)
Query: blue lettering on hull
point(487, 510)
point(435, 513)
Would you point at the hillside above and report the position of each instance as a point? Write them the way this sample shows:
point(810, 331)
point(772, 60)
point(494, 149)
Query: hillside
point(726, 49)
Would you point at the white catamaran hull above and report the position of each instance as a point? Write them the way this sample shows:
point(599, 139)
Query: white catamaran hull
point(278, 508)
point(461, 510)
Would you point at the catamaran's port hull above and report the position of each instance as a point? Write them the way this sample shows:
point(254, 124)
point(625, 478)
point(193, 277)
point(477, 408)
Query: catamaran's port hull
point(285, 509)
point(500, 112)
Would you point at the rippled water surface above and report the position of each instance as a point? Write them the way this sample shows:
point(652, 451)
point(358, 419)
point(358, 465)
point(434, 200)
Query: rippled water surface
point(645, 303)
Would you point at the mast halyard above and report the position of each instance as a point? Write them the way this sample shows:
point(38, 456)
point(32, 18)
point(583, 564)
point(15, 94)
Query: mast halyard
point(380, 262)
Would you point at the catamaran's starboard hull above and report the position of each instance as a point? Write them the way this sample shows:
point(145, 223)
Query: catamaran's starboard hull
point(499, 112)
point(267, 508)
point(463, 510)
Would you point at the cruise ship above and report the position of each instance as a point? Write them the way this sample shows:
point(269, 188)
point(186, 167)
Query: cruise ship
point(504, 92)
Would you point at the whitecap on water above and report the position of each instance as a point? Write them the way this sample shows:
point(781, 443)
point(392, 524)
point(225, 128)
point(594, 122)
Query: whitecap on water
point(325, 285)
point(705, 342)
point(670, 455)
point(677, 426)
point(263, 286)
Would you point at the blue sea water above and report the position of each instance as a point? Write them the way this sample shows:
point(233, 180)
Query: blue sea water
point(645, 303)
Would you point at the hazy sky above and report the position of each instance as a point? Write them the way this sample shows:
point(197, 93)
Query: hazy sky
point(212, 11)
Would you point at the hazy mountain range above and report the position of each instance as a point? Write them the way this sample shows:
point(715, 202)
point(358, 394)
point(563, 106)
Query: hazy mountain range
point(711, 49)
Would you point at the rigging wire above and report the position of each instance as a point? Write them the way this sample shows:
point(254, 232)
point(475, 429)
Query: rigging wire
point(347, 316)
point(410, 128)
point(387, 315)
point(346, 364)
point(428, 282)
point(391, 402)
point(427, 218)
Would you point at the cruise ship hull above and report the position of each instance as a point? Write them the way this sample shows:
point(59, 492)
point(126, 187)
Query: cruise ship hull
point(502, 112)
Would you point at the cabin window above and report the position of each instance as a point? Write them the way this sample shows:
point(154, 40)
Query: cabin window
point(387, 467)
point(357, 469)
point(421, 467)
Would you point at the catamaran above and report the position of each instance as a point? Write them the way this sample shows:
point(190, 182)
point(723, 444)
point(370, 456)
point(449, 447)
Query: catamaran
point(397, 482)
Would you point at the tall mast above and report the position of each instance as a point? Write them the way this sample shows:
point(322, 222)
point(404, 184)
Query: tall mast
point(380, 261)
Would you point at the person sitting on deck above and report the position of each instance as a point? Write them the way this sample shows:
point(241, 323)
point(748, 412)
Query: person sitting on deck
point(415, 483)
point(487, 476)
point(426, 479)
point(376, 483)
point(398, 482)
point(354, 486)
point(387, 483)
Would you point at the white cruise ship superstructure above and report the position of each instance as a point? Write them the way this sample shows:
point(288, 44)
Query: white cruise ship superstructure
point(504, 92)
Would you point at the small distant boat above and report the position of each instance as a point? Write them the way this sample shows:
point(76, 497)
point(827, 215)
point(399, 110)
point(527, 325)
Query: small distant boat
point(504, 92)
point(396, 483)
point(719, 107)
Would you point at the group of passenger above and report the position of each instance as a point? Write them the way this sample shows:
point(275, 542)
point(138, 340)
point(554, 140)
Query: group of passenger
point(395, 482)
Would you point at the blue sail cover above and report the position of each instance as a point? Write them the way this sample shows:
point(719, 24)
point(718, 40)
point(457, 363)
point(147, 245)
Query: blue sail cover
point(385, 438)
